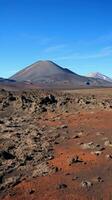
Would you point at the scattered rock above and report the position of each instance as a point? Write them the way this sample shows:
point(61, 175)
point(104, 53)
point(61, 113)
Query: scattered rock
point(50, 157)
point(74, 159)
point(108, 156)
point(67, 174)
point(108, 143)
point(86, 184)
point(61, 186)
point(80, 134)
point(63, 126)
point(55, 169)
point(97, 153)
point(75, 178)
point(75, 137)
point(1, 121)
point(89, 145)
point(98, 179)
point(31, 191)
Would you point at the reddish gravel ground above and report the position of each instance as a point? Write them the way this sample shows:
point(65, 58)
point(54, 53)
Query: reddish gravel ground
point(91, 127)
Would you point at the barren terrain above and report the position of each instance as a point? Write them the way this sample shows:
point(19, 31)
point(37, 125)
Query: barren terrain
point(56, 145)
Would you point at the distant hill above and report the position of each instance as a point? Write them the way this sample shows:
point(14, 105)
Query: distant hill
point(2, 80)
point(49, 74)
point(100, 76)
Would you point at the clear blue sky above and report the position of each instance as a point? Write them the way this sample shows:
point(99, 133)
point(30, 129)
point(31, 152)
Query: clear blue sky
point(73, 33)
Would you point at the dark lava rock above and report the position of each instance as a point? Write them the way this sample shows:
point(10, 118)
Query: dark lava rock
point(55, 169)
point(76, 137)
point(31, 191)
point(61, 186)
point(5, 104)
point(43, 109)
point(6, 155)
point(75, 159)
point(50, 99)
point(25, 99)
point(99, 179)
point(11, 97)
point(1, 121)
point(1, 177)
point(63, 126)
point(75, 178)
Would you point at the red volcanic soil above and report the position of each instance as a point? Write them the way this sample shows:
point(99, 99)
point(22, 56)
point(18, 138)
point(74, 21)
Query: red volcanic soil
point(82, 158)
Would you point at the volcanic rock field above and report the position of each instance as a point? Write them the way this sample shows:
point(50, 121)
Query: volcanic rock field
point(56, 145)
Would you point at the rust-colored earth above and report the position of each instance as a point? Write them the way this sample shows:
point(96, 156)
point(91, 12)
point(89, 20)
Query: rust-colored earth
point(82, 157)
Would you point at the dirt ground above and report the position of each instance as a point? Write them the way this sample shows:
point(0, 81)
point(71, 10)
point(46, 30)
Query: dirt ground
point(56, 145)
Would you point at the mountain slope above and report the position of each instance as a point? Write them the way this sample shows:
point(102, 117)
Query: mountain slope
point(49, 74)
point(100, 76)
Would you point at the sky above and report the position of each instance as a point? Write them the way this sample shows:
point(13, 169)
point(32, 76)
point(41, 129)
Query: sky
point(76, 34)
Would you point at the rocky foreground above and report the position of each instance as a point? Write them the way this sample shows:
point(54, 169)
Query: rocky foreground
point(56, 145)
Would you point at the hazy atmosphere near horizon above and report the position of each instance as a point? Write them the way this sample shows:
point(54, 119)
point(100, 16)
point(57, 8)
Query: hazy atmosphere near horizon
point(75, 34)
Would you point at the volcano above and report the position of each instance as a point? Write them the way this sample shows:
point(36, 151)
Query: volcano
point(49, 74)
